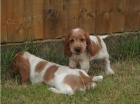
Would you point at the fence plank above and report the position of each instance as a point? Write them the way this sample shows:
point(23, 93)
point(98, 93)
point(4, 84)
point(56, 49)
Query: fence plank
point(139, 19)
point(70, 15)
point(102, 19)
point(132, 15)
point(3, 21)
point(65, 16)
point(87, 15)
point(117, 16)
point(26, 20)
point(59, 25)
point(53, 18)
point(37, 19)
point(14, 14)
point(73, 14)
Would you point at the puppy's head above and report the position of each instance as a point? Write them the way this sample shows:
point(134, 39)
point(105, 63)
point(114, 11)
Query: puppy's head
point(21, 65)
point(76, 42)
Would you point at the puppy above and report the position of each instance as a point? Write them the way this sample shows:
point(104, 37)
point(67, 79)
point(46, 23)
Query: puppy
point(82, 48)
point(63, 79)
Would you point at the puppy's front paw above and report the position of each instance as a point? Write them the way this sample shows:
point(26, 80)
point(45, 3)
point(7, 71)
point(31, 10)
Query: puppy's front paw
point(98, 78)
point(110, 72)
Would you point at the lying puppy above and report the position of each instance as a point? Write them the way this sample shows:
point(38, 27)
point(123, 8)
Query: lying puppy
point(64, 79)
point(82, 48)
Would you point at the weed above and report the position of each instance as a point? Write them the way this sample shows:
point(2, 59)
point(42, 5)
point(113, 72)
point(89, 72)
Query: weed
point(130, 50)
point(7, 57)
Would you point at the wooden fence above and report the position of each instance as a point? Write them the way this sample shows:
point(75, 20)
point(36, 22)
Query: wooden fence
point(22, 20)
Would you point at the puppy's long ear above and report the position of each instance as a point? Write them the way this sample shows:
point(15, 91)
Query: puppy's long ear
point(21, 66)
point(67, 51)
point(90, 45)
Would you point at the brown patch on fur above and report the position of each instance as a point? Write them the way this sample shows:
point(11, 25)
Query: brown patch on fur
point(40, 66)
point(21, 66)
point(74, 81)
point(86, 79)
point(94, 48)
point(77, 82)
point(49, 74)
point(99, 40)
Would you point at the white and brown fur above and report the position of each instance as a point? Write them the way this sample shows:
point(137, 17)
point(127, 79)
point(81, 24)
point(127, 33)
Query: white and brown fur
point(82, 48)
point(63, 79)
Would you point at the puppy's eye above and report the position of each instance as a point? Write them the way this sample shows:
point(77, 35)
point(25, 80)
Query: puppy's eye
point(82, 40)
point(71, 41)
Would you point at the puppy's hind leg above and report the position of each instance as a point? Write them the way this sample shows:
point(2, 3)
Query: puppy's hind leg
point(108, 69)
point(63, 89)
point(66, 89)
point(54, 90)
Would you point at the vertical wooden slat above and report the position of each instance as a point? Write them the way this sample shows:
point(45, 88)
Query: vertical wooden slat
point(139, 19)
point(3, 21)
point(73, 14)
point(137, 10)
point(117, 16)
point(37, 19)
point(102, 19)
point(87, 15)
point(53, 18)
point(65, 16)
point(132, 15)
point(14, 14)
point(10, 20)
point(26, 20)
point(59, 25)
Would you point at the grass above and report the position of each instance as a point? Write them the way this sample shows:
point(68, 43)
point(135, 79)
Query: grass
point(122, 88)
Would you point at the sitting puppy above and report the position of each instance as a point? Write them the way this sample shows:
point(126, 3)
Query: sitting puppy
point(64, 79)
point(82, 48)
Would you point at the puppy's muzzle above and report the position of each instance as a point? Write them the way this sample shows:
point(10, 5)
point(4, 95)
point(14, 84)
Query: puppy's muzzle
point(78, 49)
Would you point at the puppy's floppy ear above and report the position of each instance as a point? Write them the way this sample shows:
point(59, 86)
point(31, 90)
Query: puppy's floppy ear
point(21, 66)
point(90, 45)
point(67, 51)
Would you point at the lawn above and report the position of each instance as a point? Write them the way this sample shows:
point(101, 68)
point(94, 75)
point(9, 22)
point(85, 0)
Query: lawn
point(121, 88)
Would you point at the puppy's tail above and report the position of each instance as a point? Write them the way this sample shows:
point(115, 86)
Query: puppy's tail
point(104, 36)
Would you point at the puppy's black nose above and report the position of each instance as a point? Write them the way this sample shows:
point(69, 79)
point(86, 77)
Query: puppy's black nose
point(78, 49)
